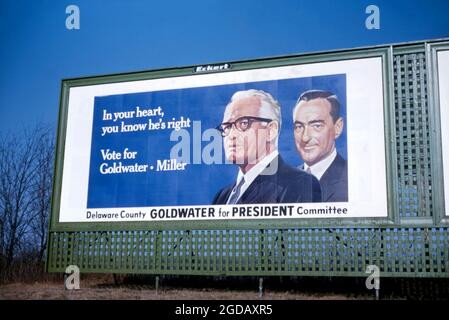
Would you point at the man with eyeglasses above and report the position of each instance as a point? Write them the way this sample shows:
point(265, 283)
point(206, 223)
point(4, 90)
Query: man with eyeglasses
point(250, 130)
point(317, 124)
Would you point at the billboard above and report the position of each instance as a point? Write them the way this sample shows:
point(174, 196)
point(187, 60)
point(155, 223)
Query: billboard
point(296, 141)
point(443, 84)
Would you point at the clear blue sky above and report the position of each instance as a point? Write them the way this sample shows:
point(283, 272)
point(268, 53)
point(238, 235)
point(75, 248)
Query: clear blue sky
point(37, 51)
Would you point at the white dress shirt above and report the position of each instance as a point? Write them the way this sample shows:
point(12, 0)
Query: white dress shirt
point(252, 174)
point(319, 168)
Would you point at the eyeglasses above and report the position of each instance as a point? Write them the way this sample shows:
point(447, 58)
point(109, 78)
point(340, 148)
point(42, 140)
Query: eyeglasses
point(241, 124)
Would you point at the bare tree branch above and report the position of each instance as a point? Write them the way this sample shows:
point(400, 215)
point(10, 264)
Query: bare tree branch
point(26, 168)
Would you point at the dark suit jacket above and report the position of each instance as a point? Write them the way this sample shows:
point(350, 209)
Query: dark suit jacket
point(334, 182)
point(286, 185)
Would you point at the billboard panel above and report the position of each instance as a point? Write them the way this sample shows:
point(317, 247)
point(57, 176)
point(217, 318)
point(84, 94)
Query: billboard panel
point(443, 85)
point(288, 142)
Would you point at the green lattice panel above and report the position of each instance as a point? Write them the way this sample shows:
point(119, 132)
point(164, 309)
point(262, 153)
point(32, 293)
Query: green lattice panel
point(312, 251)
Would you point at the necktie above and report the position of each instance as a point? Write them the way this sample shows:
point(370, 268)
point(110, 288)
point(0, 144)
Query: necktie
point(308, 170)
point(235, 194)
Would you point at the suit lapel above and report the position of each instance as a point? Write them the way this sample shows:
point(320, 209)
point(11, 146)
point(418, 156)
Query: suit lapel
point(334, 172)
point(263, 187)
point(332, 176)
point(254, 192)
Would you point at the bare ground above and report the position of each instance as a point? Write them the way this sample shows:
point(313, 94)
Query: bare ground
point(99, 291)
point(139, 287)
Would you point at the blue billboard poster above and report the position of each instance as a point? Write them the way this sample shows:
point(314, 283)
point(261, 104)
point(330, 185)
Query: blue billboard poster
point(269, 143)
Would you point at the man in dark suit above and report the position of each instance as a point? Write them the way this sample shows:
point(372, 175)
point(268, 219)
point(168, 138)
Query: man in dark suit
point(250, 131)
point(317, 124)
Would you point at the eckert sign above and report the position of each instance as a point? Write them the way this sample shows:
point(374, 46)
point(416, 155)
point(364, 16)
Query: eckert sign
point(214, 67)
